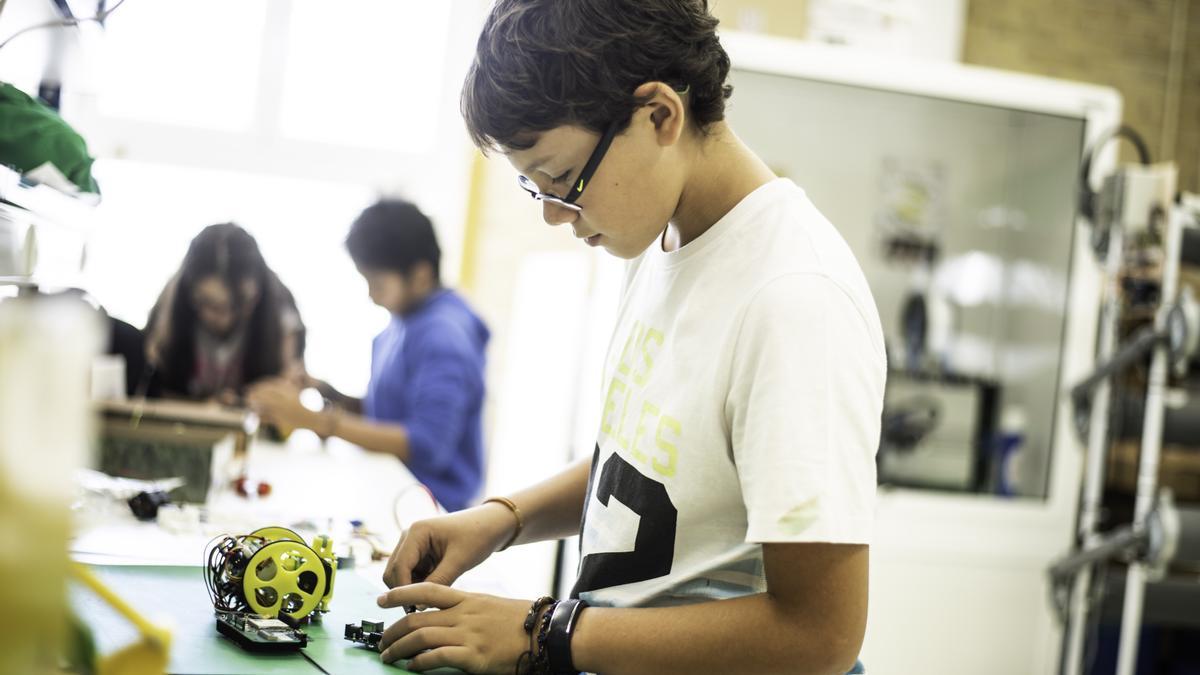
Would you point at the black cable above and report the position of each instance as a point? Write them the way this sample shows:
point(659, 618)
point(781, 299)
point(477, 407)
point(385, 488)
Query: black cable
point(223, 581)
point(1087, 196)
point(99, 18)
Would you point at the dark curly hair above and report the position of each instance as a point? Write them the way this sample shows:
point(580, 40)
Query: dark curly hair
point(393, 234)
point(540, 64)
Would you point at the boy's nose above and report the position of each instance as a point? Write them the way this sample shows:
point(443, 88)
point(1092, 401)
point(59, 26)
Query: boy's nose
point(554, 214)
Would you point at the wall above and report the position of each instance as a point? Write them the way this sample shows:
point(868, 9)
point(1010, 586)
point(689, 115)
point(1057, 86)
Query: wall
point(786, 18)
point(1146, 49)
point(1139, 47)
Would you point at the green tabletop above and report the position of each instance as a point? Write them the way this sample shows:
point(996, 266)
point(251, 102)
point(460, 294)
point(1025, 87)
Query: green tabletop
point(176, 596)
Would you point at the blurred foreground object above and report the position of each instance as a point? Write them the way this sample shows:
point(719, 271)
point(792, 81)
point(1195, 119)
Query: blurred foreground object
point(147, 656)
point(46, 350)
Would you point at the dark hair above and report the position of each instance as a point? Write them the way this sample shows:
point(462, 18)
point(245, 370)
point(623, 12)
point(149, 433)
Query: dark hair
point(230, 253)
point(393, 234)
point(540, 64)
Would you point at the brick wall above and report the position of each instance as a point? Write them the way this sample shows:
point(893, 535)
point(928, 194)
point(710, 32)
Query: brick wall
point(786, 18)
point(1124, 44)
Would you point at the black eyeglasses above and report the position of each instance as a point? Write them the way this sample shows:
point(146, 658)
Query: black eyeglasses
point(589, 169)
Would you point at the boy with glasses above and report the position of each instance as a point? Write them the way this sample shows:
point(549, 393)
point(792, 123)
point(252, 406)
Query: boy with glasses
point(727, 508)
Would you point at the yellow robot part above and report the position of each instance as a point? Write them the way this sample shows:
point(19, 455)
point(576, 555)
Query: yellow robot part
point(276, 534)
point(148, 656)
point(323, 545)
point(284, 577)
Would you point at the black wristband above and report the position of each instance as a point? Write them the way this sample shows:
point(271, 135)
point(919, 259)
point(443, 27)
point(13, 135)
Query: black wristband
point(558, 642)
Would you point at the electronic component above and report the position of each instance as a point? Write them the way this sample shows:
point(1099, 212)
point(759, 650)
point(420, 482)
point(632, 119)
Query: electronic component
point(145, 504)
point(269, 574)
point(260, 634)
point(367, 633)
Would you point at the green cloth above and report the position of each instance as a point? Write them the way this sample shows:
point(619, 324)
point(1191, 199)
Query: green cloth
point(32, 134)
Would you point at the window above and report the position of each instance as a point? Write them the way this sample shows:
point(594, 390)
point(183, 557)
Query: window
point(365, 74)
point(183, 63)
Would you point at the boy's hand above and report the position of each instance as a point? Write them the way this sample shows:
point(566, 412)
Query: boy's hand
point(469, 631)
point(439, 550)
point(278, 402)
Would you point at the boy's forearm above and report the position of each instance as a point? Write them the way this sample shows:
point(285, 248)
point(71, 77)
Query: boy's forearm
point(752, 634)
point(370, 435)
point(343, 401)
point(553, 508)
point(350, 404)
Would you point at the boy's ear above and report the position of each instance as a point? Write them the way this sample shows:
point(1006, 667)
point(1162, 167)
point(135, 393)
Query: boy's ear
point(666, 111)
point(421, 274)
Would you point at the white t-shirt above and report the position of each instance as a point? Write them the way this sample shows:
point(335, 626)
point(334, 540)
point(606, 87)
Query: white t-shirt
point(743, 394)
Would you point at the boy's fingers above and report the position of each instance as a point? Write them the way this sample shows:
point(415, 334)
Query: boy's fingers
point(401, 563)
point(429, 594)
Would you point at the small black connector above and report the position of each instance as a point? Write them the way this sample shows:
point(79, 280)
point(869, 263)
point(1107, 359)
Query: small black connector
point(145, 504)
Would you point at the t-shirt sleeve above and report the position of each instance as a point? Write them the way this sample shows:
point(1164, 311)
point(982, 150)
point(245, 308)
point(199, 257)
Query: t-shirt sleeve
point(439, 395)
point(804, 407)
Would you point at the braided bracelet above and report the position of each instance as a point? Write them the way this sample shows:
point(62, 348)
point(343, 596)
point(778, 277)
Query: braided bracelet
point(527, 658)
point(541, 660)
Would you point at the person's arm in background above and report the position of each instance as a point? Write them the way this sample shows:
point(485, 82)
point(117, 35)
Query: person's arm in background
point(437, 396)
point(350, 404)
point(277, 401)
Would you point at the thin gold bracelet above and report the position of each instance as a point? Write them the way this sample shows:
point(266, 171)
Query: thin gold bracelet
point(516, 512)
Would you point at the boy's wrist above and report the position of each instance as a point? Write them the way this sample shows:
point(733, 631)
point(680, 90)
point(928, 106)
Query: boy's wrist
point(512, 524)
point(323, 423)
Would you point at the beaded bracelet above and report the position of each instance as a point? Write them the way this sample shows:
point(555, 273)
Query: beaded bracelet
point(531, 619)
point(537, 606)
point(541, 660)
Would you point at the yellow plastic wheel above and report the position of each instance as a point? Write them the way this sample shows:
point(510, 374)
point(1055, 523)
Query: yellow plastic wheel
point(284, 577)
point(276, 534)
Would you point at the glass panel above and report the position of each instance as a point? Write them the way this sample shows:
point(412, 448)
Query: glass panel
point(968, 207)
point(369, 73)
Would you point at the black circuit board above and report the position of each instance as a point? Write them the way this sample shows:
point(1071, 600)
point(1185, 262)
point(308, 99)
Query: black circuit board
point(261, 634)
point(366, 633)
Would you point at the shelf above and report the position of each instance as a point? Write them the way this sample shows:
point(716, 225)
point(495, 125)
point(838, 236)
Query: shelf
point(43, 233)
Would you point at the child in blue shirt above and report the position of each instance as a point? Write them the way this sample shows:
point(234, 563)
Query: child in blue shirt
point(424, 401)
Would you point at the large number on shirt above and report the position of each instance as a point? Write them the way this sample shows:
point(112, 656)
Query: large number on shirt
point(654, 545)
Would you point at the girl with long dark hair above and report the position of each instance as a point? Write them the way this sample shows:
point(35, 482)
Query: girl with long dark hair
point(224, 321)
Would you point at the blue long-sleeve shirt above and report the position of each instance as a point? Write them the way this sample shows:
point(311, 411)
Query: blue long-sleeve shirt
point(427, 374)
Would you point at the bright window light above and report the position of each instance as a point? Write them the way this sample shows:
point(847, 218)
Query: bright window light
point(366, 73)
point(183, 63)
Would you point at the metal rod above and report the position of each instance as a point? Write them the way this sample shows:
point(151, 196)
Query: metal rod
point(1141, 344)
point(1093, 481)
point(1125, 540)
point(1147, 480)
